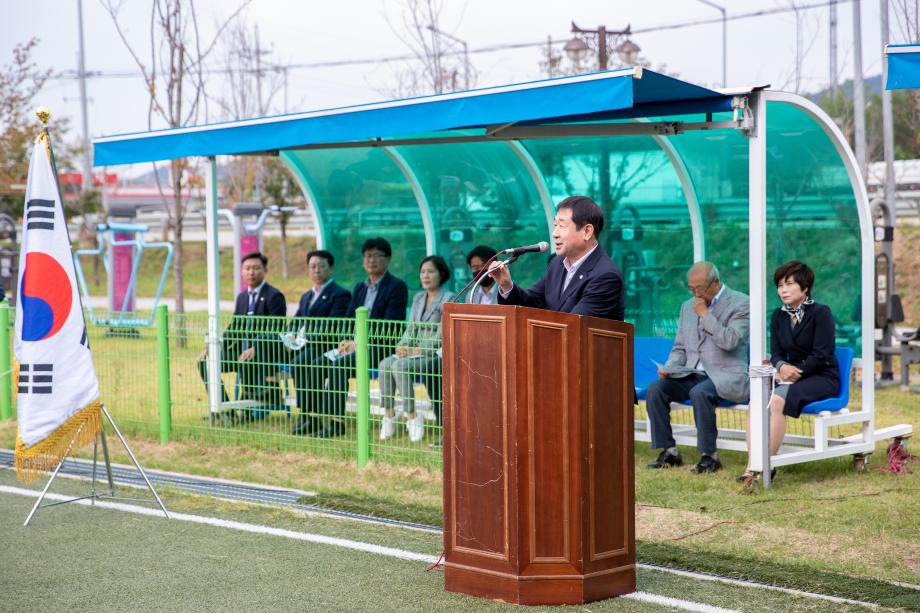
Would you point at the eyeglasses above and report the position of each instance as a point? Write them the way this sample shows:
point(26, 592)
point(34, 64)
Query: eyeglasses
point(693, 289)
point(375, 256)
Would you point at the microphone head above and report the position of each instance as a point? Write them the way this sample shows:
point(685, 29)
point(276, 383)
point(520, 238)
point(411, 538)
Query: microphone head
point(544, 246)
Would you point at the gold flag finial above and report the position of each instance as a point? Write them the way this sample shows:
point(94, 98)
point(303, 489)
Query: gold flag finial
point(43, 115)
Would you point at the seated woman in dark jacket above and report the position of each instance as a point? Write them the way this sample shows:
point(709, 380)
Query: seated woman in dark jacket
point(801, 350)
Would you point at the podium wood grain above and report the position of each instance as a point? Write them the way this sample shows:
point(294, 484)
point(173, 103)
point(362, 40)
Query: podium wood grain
point(538, 455)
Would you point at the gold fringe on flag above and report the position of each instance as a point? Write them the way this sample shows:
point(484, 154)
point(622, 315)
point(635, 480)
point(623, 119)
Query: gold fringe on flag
point(80, 429)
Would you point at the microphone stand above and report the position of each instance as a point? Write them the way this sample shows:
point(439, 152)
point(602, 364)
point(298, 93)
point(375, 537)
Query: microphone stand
point(469, 297)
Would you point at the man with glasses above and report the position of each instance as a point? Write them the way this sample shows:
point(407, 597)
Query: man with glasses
point(386, 298)
point(708, 363)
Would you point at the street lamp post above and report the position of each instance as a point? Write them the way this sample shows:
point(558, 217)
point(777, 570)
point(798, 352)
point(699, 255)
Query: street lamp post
point(577, 49)
point(721, 9)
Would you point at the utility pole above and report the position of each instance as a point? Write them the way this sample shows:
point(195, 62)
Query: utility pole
point(887, 119)
point(859, 94)
point(81, 68)
point(436, 33)
point(832, 52)
point(627, 51)
point(258, 74)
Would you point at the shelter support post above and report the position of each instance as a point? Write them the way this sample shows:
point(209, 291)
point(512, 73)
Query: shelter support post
point(757, 282)
point(213, 265)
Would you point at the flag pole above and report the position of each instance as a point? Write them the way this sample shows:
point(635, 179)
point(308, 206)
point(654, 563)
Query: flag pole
point(44, 138)
point(53, 475)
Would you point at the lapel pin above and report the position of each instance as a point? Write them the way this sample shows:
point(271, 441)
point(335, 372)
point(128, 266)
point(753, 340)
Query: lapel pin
point(580, 277)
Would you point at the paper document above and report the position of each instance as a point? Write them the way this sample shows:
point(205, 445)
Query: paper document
point(672, 369)
point(292, 341)
point(332, 354)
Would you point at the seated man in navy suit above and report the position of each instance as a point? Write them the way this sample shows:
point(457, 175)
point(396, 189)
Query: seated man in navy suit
point(386, 297)
point(251, 346)
point(583, 279)
point(314, 337)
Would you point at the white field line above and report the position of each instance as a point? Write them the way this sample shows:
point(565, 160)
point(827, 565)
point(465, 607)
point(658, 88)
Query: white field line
point(764, 586)
point(409, 555)
point(240, 526)
point(392, 552)
point(667, 601)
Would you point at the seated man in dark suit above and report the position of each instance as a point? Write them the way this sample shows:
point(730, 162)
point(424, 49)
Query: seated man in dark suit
point(386, 297)
point(314, 337)
point(251, 347)
point(583, 279)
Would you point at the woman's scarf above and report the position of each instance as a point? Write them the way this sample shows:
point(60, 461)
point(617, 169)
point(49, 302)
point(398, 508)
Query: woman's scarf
point(796, 314)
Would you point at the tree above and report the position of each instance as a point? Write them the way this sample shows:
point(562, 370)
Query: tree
point(20, 82)
point(440, 64)
point(174, 76)
point(251, 85)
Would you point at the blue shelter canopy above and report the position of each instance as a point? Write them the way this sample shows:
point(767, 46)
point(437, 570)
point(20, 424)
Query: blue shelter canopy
point(630, 92)
point(681, 172)
point(903, 66)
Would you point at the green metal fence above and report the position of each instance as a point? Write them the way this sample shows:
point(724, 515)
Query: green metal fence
point(298, 384)
point(346, 388)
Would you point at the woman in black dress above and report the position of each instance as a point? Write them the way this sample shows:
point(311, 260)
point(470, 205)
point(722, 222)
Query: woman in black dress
point(801, 350)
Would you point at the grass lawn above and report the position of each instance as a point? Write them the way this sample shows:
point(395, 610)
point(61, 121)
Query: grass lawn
point(821, 521)
point(76, 558)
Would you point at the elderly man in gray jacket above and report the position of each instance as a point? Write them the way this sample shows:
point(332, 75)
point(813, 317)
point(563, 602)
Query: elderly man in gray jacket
point(709, 363)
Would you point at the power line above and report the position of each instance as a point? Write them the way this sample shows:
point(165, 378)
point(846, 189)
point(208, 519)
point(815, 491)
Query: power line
point(96, 74)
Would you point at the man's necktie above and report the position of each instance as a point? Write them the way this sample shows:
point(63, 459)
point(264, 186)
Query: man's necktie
point(253, 296)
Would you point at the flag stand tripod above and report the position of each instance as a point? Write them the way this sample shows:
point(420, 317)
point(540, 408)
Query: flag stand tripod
point(96, 495)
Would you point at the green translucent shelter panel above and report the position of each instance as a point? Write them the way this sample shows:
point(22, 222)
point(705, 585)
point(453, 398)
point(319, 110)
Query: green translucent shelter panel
point(648, 231)
point(362, 193)
point(717, 165)
point(812, 214)
point(479, 194)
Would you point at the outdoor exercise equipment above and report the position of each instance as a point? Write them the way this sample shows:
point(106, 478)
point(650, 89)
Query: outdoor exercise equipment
point(247, 236)
point(121, 245)
point(888, 310)
point(9, 257)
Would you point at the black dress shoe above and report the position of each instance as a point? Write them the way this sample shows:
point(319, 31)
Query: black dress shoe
point(335, 428)
point(305, 425)
point(667, 459)
point(707, 464)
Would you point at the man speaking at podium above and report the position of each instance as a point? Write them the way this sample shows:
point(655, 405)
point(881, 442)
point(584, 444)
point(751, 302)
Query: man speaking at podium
point(581, 279)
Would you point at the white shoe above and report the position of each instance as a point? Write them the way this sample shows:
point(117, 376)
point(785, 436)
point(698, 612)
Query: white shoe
point(416, 428)
point(387, 427)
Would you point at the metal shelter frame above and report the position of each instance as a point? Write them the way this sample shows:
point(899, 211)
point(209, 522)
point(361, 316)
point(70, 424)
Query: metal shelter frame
point(613, 103)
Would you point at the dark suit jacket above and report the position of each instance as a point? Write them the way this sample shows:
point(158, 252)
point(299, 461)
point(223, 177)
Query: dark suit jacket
point(596, 289)
point(261, 334)
point(332, 302)
point(392, 299)
point(390, 306)
point(810, 346)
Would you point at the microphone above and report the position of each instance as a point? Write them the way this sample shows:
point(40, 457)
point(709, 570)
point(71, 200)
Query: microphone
point(541, 247)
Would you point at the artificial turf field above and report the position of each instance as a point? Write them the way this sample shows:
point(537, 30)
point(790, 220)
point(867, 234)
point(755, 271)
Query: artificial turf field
point(78, 558)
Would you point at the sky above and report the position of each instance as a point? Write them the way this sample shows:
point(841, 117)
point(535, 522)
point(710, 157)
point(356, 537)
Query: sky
point(760, 50)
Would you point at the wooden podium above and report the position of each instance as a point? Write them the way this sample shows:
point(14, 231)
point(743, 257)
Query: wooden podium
point(538, 455)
